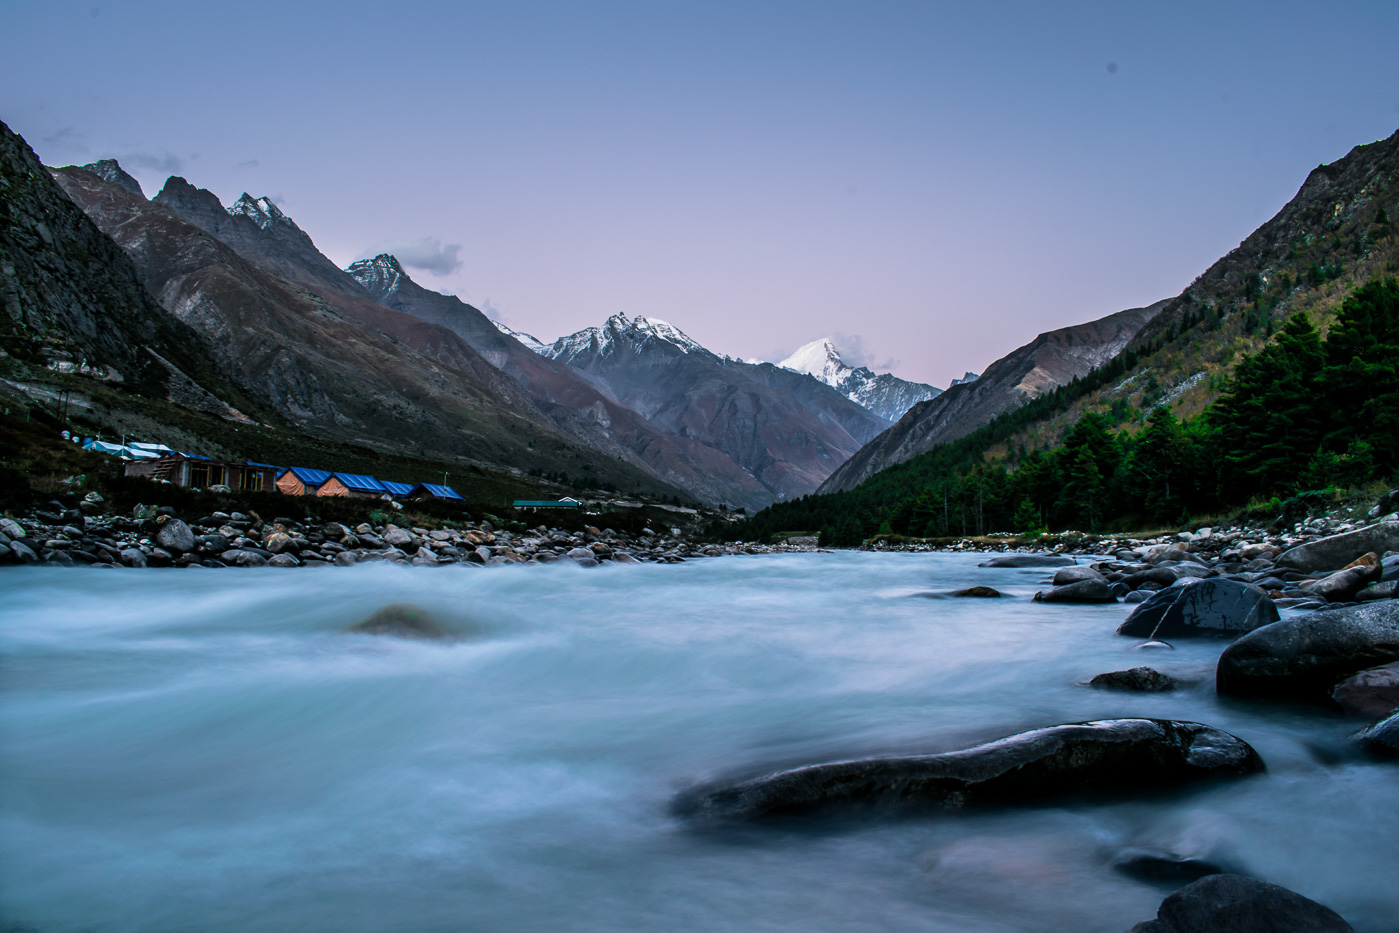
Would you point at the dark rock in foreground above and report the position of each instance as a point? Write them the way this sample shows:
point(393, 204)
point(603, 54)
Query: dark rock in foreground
point(1382, 739)
point(1029, 560)
point(1165, 867)
point(1371, 693)
point(1234, 904)
point(1200, 608)
point(1305, 657)
point(1142, 679)
point(1113, 755)
point(984, 592)
point(1335, 552)
point(401, 621)
point(1084, 591)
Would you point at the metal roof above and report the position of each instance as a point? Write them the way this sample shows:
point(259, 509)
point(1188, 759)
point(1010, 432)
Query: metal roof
point(546, 503)
point(439, 492)
point(359, 482)
point(397, 489)
point(271, 466)
point(309, 476)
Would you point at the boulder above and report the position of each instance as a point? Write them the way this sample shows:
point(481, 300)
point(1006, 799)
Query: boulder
point(1084, 591)
point(132, 557)
point(1107, 756)
point(583, 556)
point(1343, 585)
point(1371, 693)
point(346, 559)
point(981, 592)
point(239, 557)
point(1306, 656)
point(1381, 739)
point(1165, 867)
point(400, 538)
point(1076, 574)
point(1029, 560)
point(1159, 554)
point(23, 553)
point(175, 536)
point(1197, 608)
point(1335, 552)
point(11, 529)
point(1142, 679)
point(1161, 576)
point(1233, 903)
point(283, 560)
point(1384, 590)
point(401, 620)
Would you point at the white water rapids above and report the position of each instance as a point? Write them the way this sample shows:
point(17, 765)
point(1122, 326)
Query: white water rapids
point(207, 750)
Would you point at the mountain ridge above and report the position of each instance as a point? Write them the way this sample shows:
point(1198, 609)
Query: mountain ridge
point(885, 394)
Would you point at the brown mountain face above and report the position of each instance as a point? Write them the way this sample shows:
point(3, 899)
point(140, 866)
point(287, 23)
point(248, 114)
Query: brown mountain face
point(785, 429)
point(334, 364)
point(1052, 359)
point(572, 404)
point(74, 301)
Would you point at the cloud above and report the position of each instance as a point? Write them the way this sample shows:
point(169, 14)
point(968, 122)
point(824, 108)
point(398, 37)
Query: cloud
point(165, 163)
point(251, 163)
point(68, 139)
point(429, 254)
point(852, 351)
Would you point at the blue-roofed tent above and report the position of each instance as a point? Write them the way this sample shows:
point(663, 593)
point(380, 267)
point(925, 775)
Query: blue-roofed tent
point(271, 466)
point(397, 490)
point(357, 484)
point(432, 491)
point(302, 481)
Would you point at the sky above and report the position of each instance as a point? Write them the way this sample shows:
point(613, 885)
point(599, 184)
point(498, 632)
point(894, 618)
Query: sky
point(930, 184)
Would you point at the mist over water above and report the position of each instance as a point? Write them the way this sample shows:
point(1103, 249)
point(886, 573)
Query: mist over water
point(192, 750)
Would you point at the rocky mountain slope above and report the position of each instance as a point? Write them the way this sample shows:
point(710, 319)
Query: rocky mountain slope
point(787, 430)
point(284, 323)
point(885, 394)
point(572, 403)
point(1050, 360)
point(75, 303)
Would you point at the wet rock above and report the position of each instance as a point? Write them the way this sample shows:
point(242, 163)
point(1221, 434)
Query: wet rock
point(1137, 596)
point(1384, 590)
point(1305, 657)
point(283, 560)
point(1163, 867)
point(582, 556)
point(1232, 903)
point(23, 552)
point(279, 541)
point(1371, 693)
point(175, 536)
point(239, 557)
point(11, 529)
point(980, 592)
point(1076, 574)
point(1381, 739)
point(401, 620)
point(1342, 585)
point(1108, 756)
point(132, 557)
point(346, 559)
point(1197, 608)
point(1029, 560)
point(1158, 576)
point(1084, 591)
point(1142, 679)
point(1335, 552)
point(400, 538)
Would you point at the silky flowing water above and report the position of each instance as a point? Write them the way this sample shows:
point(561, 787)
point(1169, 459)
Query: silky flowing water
point(208, 750)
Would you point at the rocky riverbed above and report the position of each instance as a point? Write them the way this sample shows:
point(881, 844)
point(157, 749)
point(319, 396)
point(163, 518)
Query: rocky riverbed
point(158, 536)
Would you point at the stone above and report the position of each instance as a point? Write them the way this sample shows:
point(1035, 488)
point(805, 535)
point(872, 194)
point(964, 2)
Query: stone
point(23, 553)
point(1306, 656)
point(1076, 574)
point(1158, 576)
point(12, 529)
point(132, 557)
point(1344, 584)
point(1159, 555)
point(1235, 904)
point(1385, 590)
point(1164, 867)
point(402, 620)
point(283, 560)
point(1381, 739)
point(1200, 608)
point(581, 554)
point(400, 538)
point(1084, 591)
point(1029, 560)
point(1335, 552)
point(980, 592)
point(346, 559)
point(239, 557)
point(1107, 756)
point(175, 536)
point(279, 541)
point(1137, 596)
point(1141, 679)
point(1371, 693)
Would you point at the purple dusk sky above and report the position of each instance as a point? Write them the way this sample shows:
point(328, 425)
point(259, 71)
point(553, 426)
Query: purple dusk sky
point(933, 184)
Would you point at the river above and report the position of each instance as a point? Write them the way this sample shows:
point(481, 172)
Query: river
point(207, 750)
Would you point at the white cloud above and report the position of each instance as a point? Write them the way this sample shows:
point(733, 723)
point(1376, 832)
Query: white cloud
point(429, 254)
point(853, 352)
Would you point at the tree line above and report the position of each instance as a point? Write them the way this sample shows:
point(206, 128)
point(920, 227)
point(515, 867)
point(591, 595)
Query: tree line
point(1303, 413)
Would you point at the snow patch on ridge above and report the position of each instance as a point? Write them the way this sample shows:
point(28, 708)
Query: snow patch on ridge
point(884, 394)
point(530, 341)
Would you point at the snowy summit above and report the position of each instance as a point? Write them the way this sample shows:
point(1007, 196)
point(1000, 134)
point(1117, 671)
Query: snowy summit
point(885, 394)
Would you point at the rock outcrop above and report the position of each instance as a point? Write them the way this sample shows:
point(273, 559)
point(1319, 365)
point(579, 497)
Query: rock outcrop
point(1235, 904)
point(1193, 608)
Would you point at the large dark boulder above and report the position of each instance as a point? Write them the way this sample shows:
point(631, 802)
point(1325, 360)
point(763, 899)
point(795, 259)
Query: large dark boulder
point(1108, 756)
point(1194, 607)
point(401, 620)
point(1163, 867)
point(1029, 560)
point(1077, 574)
point(1305, 657)
point(1335, 552)
point(175, 536)
point(1140, 679)
point(1084, 591)
point(978, 592)
point(1234, 904)
point(1382, 739)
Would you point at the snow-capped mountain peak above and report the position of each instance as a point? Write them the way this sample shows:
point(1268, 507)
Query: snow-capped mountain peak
point(380, 275)
point(884, 394)
point(969, 377)
point(619, 330)
point(530, 341)
point(260, 211)
point(663, 330)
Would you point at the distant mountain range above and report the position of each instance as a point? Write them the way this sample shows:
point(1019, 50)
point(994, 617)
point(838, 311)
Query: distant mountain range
point(885, 394)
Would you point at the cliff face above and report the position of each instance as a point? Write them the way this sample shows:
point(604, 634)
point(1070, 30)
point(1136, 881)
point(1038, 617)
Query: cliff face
point(74, 300)
point(1050, 360)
